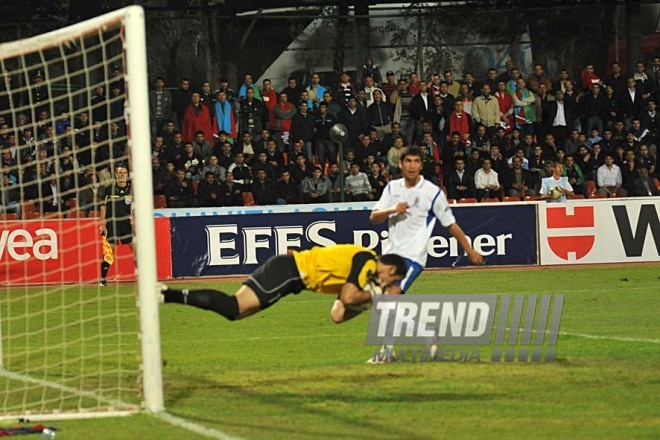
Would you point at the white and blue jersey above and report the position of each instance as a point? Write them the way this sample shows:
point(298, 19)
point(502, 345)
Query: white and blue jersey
point(550, 182)
point(409, 233)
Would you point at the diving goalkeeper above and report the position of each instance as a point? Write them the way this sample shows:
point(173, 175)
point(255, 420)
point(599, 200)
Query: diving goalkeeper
point(346, 270)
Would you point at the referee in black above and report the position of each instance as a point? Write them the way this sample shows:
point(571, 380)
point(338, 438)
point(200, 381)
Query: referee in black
point(116, 216)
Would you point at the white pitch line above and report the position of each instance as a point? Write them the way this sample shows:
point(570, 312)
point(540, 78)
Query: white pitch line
point(192, 427)
point(611, 338)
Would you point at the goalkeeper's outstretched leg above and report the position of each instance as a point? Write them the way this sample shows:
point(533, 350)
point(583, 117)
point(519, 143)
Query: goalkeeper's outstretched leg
point(349, 271)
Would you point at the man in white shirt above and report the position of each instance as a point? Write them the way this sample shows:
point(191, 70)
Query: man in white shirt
point(556, 181)
point(609, 179)
point(487, 182)
point(411, 206)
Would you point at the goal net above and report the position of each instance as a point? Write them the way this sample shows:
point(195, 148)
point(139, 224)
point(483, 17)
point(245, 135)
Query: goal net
point(73, 116)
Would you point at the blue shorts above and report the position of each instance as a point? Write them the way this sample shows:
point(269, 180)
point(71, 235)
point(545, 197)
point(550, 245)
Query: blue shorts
point(413, 271)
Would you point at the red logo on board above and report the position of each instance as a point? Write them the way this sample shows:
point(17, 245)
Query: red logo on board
point(582, 217)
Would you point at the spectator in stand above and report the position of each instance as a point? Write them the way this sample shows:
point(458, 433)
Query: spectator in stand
point(378, 114)
point(616, 80)
point(613, 110)
point(190, 162)
point(451, 151)
point(474, 161)
point(334, 109)
point(202, 147)
point(505, 103)
point(629, 171)
point(241, 172)
point(180, 101)
point(345, 90)
point(560, 84)
point(644, 186)
point(357, 185)
point(369, 69)
point(208, 191)
point(179, 193)
point(646, 160)
point(377, 181)
point(389, 86)
point(292, 91)
point(480, 140)
point(269, 98)
point(325, 149)
point(524, 111)
point(609, 179)
point(453, 87)
point(466, 95)
point(231, 193)
point(588, 78)
point(246, 86)
point(300, 168)
point(196, 118)
point(160, 106)
point(315, 188)
point(262, 164)
point(419, 109)
point(214, 167)
point(574, 174)
point(355, 119)
point(593, 109)
point(460, 183)
point(263, 189)
point(539, 77)
point(461, 122)
point(394, 156)
point(226, 157)
point(642, 81)
point(287, 191)
point(246, 147)
point(651, 121)
point(517, 181)
point(284, 112)
point(486, 110)
point(631, 102)
point(486, 182)
point(208, 98)
point(401, 98)
point(413, 83)
point(497, 161)
point(159, 176)
point(226, 116)
point(302, 128)
point(251, 113)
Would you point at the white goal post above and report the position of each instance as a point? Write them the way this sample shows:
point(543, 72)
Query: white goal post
point(103, 327)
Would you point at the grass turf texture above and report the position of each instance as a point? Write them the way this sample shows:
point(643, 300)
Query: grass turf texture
point(289, 373)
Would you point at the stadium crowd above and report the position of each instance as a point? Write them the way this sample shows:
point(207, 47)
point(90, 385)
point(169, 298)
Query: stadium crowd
point(488, 139)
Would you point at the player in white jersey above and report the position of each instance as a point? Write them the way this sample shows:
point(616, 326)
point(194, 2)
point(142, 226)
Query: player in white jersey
point(558, 182)
point(411, 206)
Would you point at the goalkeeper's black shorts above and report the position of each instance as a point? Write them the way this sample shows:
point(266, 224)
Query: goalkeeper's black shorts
point(275, 279)
point(119, 231)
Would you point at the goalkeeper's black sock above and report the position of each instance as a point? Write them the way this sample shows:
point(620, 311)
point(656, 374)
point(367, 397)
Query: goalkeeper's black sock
point(207, 299)
point(105, 267)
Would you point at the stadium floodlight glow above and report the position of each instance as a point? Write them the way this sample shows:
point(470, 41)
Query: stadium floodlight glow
point(70, 348)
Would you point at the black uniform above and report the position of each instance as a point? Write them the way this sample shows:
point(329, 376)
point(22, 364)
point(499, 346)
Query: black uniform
point(117, 203)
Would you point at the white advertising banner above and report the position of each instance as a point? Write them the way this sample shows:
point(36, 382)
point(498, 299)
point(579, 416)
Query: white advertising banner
point(599, 231)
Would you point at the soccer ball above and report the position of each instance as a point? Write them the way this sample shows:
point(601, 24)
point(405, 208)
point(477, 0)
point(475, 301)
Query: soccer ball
point(371, 287)
point(555, 193)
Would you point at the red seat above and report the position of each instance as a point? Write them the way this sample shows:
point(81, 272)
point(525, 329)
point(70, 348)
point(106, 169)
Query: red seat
point(576, 197)
point(73, 203)
point(29, 210)
point(160, 202)
point(490, 200)
point(597, 196)
point(532, 198)
point(248, 199)
point(75, 213)
point(53, 215)
point(30, 215)
point(591, 187)
point(8, 216)
point(467, 200)
point(94, 214)
point(451, 201)
point(511, 199)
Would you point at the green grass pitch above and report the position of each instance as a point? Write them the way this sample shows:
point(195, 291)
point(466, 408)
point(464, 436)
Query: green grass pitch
point(290, 373)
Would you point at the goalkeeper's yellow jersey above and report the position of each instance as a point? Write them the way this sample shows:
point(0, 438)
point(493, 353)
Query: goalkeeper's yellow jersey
point(326, 270)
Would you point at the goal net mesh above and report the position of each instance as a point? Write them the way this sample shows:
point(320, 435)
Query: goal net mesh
point(68, 344)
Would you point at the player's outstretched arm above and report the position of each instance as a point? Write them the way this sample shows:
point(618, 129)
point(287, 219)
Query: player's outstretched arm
point(474, 256)
point(378, 216)
point(340, 313)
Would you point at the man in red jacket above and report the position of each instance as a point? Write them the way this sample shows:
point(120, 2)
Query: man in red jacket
point(195, 119)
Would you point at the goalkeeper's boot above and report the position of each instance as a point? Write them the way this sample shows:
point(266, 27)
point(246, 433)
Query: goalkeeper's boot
point(103, 282)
